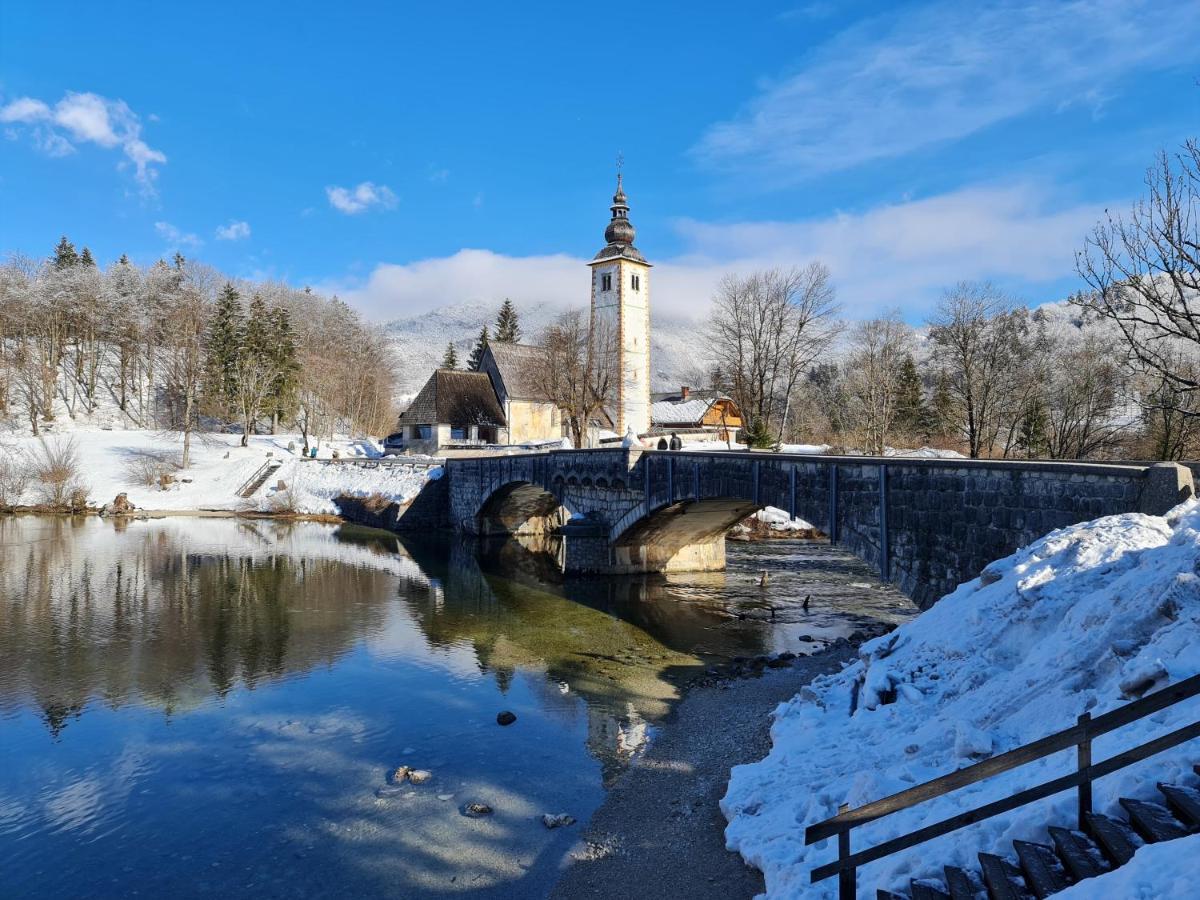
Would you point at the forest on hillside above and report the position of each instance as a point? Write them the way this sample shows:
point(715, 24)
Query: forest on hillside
point(179, 346)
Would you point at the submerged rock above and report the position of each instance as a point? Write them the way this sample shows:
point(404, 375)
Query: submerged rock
point(506, 718)
point(390, 790)
point(557, 821)
point(476, 810)
point(419, 776)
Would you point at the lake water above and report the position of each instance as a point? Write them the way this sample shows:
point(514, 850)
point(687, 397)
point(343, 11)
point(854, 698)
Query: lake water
point(192, 707)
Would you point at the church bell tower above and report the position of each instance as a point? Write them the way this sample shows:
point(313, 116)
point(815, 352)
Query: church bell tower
point(620, 323)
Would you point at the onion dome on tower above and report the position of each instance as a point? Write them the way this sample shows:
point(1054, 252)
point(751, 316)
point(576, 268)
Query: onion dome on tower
point(620, 231)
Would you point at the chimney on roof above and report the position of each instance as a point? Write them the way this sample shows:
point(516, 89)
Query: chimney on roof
point(684, 391)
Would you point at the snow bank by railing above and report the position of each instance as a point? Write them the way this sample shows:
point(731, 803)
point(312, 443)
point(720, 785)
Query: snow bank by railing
point(1082, 620)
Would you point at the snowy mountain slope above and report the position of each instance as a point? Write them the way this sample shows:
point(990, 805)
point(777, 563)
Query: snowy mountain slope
point(418, 343)
point(1083, 619)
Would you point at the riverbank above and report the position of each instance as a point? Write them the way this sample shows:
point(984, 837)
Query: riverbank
point(660, 827)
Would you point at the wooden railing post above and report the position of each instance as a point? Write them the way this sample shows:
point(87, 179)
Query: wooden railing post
point(1084, 762)
point(847, 882)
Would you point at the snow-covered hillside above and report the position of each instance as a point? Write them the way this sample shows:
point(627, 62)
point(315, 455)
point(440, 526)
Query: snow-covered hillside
point(112, 462)
point(418, 343)
point(1083, 619)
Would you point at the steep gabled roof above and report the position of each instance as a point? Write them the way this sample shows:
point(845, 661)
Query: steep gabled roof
point(514, 362)
point(453, 397)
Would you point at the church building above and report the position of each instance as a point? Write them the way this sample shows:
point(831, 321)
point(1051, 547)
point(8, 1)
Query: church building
point(620, 320)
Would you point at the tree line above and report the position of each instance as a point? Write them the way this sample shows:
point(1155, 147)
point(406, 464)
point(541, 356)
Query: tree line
point(179, 346)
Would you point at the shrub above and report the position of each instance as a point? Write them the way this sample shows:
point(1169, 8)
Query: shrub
point(14, 477)
point(153, 469)
point(55, 468)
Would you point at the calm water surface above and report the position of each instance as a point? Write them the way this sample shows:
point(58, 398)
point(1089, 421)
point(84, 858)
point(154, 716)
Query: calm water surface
point(191, 707)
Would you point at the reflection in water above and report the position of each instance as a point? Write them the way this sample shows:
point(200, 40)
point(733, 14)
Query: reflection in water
point(193, 706)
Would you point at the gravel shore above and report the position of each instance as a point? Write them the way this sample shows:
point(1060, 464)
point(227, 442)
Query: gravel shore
point(660, 832)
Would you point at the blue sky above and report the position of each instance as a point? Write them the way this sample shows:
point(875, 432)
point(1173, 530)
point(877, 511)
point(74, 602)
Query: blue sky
point(412, 155)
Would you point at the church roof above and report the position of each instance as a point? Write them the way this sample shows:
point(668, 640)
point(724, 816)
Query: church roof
point(453, 397)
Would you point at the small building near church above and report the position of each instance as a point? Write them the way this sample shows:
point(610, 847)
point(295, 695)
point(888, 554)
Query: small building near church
point(695, 414)
point(528, 414)
point(453, 409)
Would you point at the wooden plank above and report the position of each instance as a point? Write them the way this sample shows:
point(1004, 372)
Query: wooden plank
point(1184, 802)
point(1082, 858)
point(1004, 880)
point(964, 885)
point(1114, 838)
point(1153, 821)
point(1045, 873)
point(926, 889)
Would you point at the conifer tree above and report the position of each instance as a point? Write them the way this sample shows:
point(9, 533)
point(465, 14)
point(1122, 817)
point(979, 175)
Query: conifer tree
point(476, 357)
point(286, 366)
point(450, 360)
point(64, 254)
point(1031, 437)
point(221, 350)
point(910, 400)
point(85, 258)
point(508, 329)
point(942, 407)
point(124, 260)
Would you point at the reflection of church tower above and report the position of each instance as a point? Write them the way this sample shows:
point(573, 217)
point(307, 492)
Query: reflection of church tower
point(621, 319)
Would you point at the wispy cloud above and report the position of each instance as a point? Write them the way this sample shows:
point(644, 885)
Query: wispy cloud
point(177, 239)
point(352, 201)
point(913, 78)
point(234, 231)
point(895, 256)
point(86, 118)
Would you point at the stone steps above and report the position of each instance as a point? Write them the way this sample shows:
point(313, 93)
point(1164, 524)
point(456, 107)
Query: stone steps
point(1041, 870)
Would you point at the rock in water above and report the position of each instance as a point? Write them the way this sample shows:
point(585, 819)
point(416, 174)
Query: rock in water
point(506, 718)
point(557, 821)
point(419, 776)
point(401, 775)
point(475, 810)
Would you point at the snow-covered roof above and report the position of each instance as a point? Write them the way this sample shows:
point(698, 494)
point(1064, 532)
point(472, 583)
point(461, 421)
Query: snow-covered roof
point(676, 409)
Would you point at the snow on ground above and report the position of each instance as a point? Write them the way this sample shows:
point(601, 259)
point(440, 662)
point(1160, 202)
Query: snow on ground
point(1085, 618)
point(779, 520)
point(109, 461)
point(1166, 871)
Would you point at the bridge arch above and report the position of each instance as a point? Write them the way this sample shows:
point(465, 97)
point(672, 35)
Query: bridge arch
point(673, 537)
point(520, 507)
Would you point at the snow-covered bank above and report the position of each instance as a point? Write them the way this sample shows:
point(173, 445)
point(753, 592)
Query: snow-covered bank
point(113, 462)
point(1084, 619)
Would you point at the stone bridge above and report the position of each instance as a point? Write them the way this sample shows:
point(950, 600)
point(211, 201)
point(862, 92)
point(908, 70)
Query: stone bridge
point(927, 524)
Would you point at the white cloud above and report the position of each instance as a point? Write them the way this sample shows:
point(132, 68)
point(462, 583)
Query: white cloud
point(234, 231)
point(354, 200)
point(175, 238)
point(896, 256)
point(913, 78)
point(88, 118)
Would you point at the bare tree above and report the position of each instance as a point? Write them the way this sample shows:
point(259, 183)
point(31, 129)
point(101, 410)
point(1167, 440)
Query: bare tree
point(977, 339)
point(766, 330)
point(184, 330)
point(255, 379)
point(1144, 273)
point(872, 372)
point(574, 370)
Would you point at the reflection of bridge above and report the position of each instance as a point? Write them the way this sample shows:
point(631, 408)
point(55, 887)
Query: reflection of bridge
point(928, 524)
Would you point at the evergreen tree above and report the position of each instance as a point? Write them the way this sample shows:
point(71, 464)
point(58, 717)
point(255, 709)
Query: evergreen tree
point(179, 260)
point(450, 360)
point(124, 260)
point(64, 254)
point(758, 436)
point(508, 330)
point(85, 258)
point(286, 364)
point(221, 349)
point(476, 356)
point(910, 399)
point(942, 408)
point(1031, 438)
point(255, 340)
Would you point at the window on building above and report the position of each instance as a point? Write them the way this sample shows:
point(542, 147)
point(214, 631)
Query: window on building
point(637, 282)
point(458, 433)
point(422, 432)
point(606, 282)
